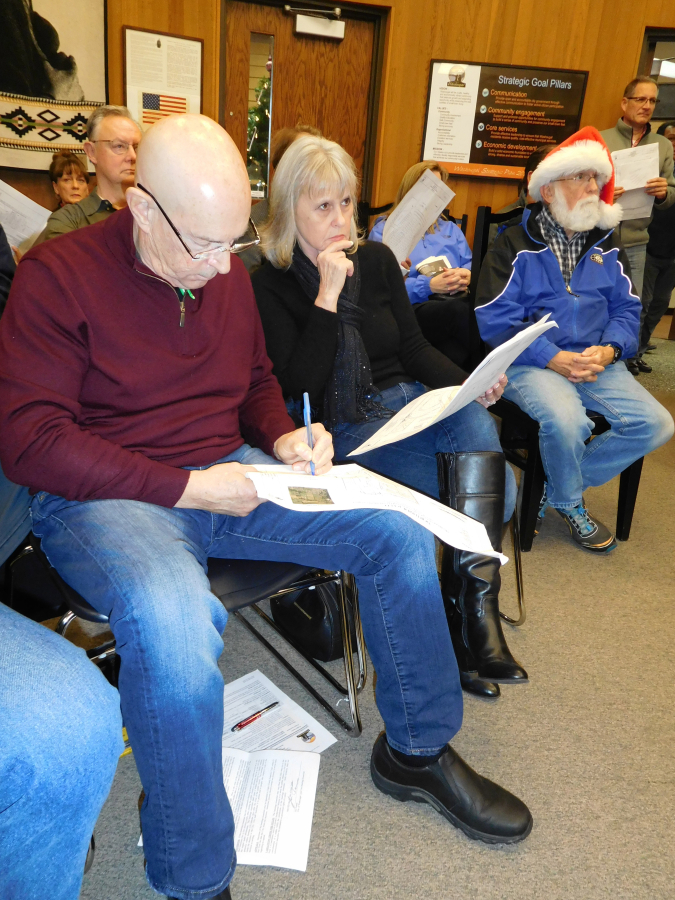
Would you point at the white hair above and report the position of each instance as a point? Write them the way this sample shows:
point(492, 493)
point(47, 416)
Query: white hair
point(311, 165)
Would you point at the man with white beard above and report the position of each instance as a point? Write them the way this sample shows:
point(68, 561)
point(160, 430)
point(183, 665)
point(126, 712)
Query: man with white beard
point(563, 258)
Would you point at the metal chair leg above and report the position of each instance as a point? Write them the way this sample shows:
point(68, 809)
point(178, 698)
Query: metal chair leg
point(346, 587)
point(64, 622)
point(517, 561)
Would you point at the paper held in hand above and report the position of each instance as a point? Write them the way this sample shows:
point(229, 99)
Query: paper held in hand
point(436, 405)
point(633, 168)
point(419, 209)
point(351, 487)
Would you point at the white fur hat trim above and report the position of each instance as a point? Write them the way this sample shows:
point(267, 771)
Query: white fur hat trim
point(568, 161)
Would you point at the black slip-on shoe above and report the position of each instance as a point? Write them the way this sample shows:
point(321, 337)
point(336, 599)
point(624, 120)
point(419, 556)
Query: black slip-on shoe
point(650, 348)
point(472, 684)
point(483, 810)
point(632, 367)
point(642, 365)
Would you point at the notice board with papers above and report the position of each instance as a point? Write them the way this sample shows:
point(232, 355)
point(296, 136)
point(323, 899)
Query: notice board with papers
point(485, 120)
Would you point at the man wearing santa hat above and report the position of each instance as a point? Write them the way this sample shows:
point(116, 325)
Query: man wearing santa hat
point(564, 258)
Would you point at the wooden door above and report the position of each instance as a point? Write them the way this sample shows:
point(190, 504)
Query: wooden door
point(315, 81)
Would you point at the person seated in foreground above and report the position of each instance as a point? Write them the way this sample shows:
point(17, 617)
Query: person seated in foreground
point(60, 740)
point(69, 177)
point(338, 324)
point(448, 322)
point(133, 372)
point(563, 258)
point(112, 141)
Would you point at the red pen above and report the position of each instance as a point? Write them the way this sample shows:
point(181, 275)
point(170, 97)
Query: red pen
point(254, 717)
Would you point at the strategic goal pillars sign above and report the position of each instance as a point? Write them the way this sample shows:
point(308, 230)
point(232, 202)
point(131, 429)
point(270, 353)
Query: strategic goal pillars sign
point(485, 120)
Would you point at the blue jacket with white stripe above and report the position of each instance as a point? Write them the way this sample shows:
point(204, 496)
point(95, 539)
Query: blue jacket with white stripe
point(520, 281)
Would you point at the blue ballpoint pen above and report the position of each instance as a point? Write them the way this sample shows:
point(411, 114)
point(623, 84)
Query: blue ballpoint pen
point(308, 425)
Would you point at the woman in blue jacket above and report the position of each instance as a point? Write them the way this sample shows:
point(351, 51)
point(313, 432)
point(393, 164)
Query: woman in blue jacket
point(441, 303)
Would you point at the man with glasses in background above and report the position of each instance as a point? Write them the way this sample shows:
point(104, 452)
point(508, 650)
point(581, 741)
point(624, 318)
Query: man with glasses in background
point(640, 100)
point(563, 258)
point(112, 141)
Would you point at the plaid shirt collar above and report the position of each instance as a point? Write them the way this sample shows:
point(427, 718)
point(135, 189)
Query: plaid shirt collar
point(567, 252)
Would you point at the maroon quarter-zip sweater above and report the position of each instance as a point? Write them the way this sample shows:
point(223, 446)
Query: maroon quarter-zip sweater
point(103, 395)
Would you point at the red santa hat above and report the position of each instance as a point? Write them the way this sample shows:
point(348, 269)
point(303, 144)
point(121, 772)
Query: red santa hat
point(581, 152)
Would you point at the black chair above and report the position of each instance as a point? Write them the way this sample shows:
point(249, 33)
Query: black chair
point(520, 433)
point(239, 584)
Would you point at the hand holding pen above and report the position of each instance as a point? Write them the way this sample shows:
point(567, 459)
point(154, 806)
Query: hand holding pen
point(308, 449)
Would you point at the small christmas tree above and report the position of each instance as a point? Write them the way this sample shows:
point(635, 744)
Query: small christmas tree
point(259, 131)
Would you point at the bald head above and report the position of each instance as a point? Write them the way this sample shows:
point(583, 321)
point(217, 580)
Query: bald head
point(194, 170)
point(193, 167)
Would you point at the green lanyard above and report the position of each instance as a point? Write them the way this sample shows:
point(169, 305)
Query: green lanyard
point(181, 301)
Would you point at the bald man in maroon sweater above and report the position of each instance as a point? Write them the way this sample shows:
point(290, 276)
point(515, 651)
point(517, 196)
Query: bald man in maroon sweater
point(135, 394)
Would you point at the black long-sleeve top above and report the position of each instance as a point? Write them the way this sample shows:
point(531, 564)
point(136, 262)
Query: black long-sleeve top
point(302, 338)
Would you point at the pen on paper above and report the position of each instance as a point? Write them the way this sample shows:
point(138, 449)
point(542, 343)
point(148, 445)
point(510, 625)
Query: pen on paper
point(253, 718)
point(308, 425)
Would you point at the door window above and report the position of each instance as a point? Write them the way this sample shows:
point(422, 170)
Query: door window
point(259, 113)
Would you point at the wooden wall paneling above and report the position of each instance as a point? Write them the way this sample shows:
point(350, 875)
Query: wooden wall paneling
point(314, 81)
point(35, 185)
point(191, 18)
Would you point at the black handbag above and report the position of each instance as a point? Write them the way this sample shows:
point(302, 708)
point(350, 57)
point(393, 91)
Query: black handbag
point(311, 618)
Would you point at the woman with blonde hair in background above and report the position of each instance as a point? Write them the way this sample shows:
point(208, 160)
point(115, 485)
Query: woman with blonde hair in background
point(441, 303)
point(339, 325)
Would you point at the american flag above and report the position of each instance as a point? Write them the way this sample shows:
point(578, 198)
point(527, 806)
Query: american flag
point(156, 106)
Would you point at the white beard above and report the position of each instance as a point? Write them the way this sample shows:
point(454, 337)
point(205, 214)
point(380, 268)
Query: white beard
point(585, 215)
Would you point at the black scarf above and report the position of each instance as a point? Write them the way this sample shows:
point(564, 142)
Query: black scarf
point(350, 394)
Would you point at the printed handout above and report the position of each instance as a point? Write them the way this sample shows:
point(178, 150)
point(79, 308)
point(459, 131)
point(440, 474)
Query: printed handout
point(419, 209)
point(21, 218)
point(351, 487)
point(285, 727)
point(436, 405)
point(272, 798)
point(633, 169)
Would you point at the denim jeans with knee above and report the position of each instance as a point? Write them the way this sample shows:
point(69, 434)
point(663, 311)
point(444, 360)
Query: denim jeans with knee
point(639, 424)
point(60, 739)
point(145, 567)
point(413, 460)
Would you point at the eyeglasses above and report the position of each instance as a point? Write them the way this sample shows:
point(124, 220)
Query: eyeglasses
point(237, 246)
point(652, 101)
point(118, 147)
point(582, 178)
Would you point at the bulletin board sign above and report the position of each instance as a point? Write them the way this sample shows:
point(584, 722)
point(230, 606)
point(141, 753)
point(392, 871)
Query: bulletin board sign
point(163, 74)
point(485, 120)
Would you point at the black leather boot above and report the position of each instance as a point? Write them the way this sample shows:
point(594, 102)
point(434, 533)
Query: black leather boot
point(473, 484)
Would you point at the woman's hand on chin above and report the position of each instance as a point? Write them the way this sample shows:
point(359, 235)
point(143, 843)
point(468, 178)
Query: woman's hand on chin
point(334, 266)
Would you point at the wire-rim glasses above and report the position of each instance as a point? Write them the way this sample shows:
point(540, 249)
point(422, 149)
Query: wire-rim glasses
point(237, 246)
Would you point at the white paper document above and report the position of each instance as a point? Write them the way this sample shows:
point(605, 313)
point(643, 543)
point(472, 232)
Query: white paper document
point(419, 209)
point(272, 798)
point(285, 727)
point(21, 217)
point(436, 405)
point(633, 169)
point(351, 487)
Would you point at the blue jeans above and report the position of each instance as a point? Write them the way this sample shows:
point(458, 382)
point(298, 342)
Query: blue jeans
point(60, 738)
point(639, 424)
point(14, 516)
point(145, 567)
point(413, 461)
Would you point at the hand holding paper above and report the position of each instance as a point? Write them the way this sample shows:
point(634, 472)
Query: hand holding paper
point(436, 405)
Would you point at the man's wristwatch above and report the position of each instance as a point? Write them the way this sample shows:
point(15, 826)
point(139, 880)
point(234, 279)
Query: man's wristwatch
point(617, 352)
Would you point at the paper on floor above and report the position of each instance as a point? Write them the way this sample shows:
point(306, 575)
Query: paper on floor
point(272, 797)
point(351, 487)
point(286, 727)
point(436, 405)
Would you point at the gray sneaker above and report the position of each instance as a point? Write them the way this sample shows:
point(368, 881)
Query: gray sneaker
point(589, 533)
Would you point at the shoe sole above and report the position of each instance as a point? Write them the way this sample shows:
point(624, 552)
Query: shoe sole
point(417, 795)
point(504, 680)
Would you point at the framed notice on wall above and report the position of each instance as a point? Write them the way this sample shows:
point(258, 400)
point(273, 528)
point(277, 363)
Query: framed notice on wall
point(485, 120)
point(163, 74)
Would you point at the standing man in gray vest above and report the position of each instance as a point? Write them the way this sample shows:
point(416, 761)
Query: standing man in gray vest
point(634, 130)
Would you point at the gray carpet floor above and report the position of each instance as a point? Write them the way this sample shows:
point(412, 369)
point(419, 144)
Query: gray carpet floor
point(588, 743)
